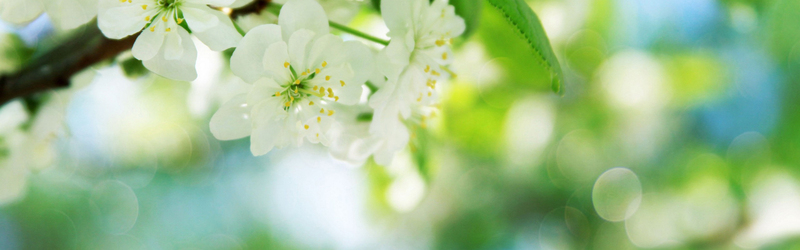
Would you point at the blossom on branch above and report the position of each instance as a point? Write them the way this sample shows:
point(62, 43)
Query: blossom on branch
point(164, 44)
point(299, 72)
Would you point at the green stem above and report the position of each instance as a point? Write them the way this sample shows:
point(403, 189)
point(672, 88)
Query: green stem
point(357, 33)
point(275, 8)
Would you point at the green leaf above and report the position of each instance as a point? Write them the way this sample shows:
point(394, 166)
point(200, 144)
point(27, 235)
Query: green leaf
point(133, 68)
point(377, 5)
point(470, 11)
point(527, 24)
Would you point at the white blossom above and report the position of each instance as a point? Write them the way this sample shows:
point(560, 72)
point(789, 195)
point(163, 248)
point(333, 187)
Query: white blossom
point(164, 45)
point(65, 14)
point(298, 71)
point(414, 62)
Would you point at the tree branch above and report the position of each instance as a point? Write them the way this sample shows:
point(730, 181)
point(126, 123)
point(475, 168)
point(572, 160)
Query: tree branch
point(53, 69)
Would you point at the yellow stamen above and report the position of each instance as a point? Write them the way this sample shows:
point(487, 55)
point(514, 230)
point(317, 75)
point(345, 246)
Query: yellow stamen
point(429, 93)
point(295, 90)
point(427, 69)
point(435, 73)
point(277, 93)
point(291, 98)
point(288, 104)
point(330, 112)
point(319, 119)
point(324, 63)
point(164, 18)
point(440, 43)
point(317, 71)
point(180, 20)
point(147, 18)
point(327, 78)
point(336, 97)
point(342, 82)
point(310, 103)
point(153, 29)
point(286, 64)
point(322, 111)
point(296, 82)
point(306, 126)
point(167, 30)
point(144, 6)
point(316, 87)
point(444, 56)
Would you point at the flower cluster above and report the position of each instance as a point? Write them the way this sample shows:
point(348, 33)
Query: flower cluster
point(306, 83)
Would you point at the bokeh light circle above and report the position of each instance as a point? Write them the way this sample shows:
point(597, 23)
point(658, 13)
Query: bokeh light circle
point(617, 194)
point(115, 206)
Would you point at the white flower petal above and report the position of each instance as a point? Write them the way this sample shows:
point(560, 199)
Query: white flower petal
point(299, 45)
point(247, 59)
point(398, 14)
point(327, 48)
point(217, 3)
point(148, 44)
point(362, 61)
point(303, 14)
point(274, 62)
point(232, 120)
point(173, 47)
point(200, 18)
point(69, 14)
point(19, 11)
point(263, 89)
point(117, 22)
point(219, 37)
point(181, 70)
point(269, 127)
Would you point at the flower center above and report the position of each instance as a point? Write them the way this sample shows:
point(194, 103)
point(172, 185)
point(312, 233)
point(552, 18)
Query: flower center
point(301, 88)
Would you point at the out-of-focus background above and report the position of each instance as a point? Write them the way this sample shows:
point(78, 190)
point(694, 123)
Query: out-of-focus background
point(679, 129)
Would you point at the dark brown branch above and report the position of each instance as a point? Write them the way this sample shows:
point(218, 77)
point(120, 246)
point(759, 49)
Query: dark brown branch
point(53, 69)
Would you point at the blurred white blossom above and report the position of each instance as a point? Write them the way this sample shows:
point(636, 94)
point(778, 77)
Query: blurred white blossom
point(65, 14)
point(413, 62)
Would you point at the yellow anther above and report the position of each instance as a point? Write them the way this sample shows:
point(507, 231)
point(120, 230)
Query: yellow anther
point(327, 78)
point(440, 43)
point(308, 71)
point(336, 98)
point(444, 56)
point(295, 90)
point(144, 6)
point(122, 1)
point(277, 93)
point(322, 91)
point(167, 30)
point(435, 73)
point(291, 98)
point(330, 112)
point(319, 119)
point(316, 87)
point(427, 69)
point(317, 135)
point(164, 18)
point(288, 104)
point(180, 20)
point(310, 103)
point(153, 28)
point(324, 63)
point(342, 82)
point(317, 71)
point(306, 126)
point(147, 18)
point(130, 1)
point(322, 111)
point(420, 97)
point(451, 40)
point(330, 92)
point(304, 73)
point(443, 13)
point(286, 64)
point(429, 93)
point(296, 82)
